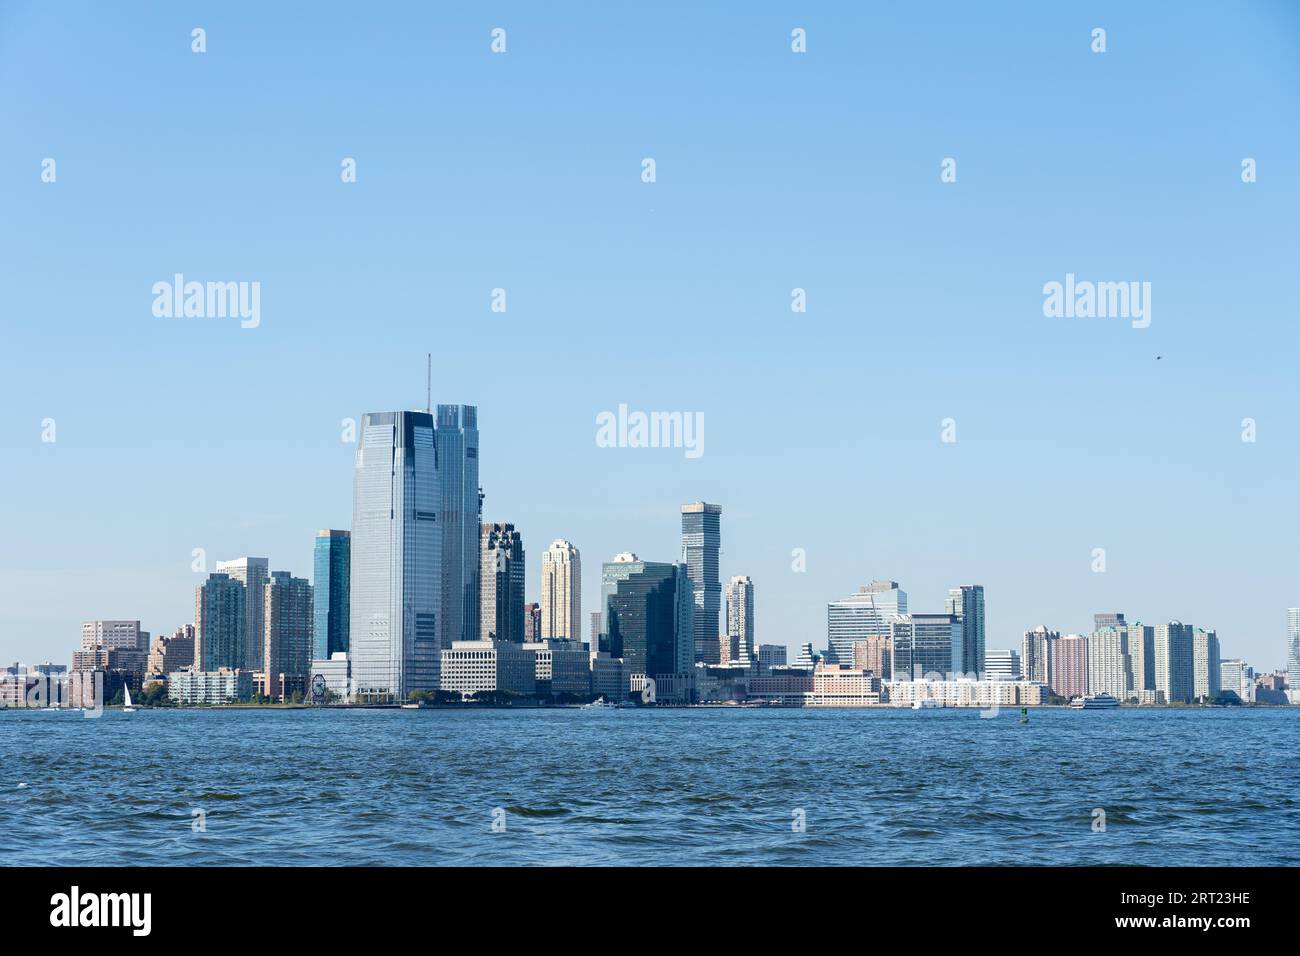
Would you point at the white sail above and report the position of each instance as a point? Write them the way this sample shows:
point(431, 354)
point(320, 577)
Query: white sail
point(128, 695)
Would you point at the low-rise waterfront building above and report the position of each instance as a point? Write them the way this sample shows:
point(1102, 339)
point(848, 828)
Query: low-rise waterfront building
point(222, 686)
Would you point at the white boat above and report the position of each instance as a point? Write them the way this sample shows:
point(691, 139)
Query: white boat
point(925, 704)
point(127, 708)
point(600, 704)
point(1094, 702)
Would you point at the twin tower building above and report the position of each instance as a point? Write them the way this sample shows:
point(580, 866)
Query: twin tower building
point(424, 572)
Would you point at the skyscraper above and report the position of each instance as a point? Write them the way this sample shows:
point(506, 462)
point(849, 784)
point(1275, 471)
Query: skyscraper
point(1108, 619)
point(1174, 665)
point(250, 572)
point(701, 540)
point(1110, 667)
point(501, 614)
point(1141, 640)
point(1293, 647)
point(924, 645)
point(740, 619)
point(968, 601)
point(396, 547)
point(1036, 654)
point(220, 618)
point(867, 613)
point(460, 508)
point(649, 615)
point(1070, 666)
point(532, 622)
point(1205, 665)
point(330, 574)
point(561, 592)
point(287, 642)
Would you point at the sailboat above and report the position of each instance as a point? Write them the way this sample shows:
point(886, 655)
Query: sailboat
point(127, 708)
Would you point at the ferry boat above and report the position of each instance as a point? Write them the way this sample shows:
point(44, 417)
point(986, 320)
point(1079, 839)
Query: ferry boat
point(600, 704)
point(925, 704)
point(1094, 702)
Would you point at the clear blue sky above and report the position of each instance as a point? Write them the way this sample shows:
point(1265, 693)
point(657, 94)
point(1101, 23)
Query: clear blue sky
point(775, 170)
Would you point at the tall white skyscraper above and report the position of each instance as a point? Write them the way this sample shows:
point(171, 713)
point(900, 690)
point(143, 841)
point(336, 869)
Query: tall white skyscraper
point(740, 619)
point(1293, 647)
point(396, 558)
point(1205, 665)
point(252, 574)
point(868, 613)
point(561, 592)
point(1175, 670)
point(1110, 668)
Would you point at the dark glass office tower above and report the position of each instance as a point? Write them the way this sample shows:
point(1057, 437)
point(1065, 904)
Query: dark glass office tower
point(502, 577)
point(925, 645)
point(396, 552)
point(967, 602)
point(332, 567)
point(649, 613)
point(701, 540)
point(460, 508)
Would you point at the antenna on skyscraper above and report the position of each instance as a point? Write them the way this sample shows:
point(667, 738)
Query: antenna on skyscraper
point(428, 386)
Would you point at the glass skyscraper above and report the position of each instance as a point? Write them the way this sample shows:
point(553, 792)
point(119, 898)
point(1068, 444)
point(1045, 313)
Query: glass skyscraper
point(460, 508)
point(501, 612)
point(649, 615)
point(220, 623)
point(968, 602)
point(396, 553)
point(868, 613)
point(332, 568)
point(925, 645)
point(701, 540)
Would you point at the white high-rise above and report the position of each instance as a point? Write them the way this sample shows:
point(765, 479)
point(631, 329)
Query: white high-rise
point(740, 619)
point(561, 592)
point(1205, 665)
point(1293, 647)
point(1174, 667)
point(1110, 668)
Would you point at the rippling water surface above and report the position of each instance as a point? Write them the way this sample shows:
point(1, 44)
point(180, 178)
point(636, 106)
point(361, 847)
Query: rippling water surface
point(1195, 787)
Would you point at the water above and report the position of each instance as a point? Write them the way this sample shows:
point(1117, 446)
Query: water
point(1195, 787)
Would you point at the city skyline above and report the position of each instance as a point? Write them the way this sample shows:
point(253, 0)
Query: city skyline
point(924, 300)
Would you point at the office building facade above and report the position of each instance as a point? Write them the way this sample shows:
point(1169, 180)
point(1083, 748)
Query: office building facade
point(501, 612)
point(868, 613)
point(331, 572)
point(649, 615)
point(460, 517)
point(561, 592)
point(701, 542)
point(395, 587)
point(967, 602)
